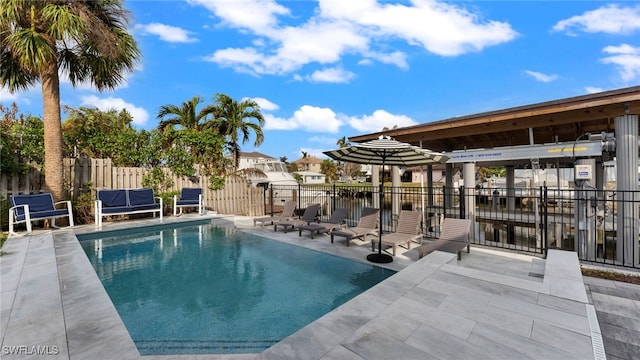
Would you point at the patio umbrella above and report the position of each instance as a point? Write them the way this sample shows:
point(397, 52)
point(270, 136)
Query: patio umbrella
point(385, 151)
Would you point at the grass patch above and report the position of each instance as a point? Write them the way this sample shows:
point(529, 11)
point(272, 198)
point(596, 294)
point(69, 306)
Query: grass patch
point(611, 275)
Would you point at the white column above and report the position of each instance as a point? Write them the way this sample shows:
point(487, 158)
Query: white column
point(375, 185)
point(469, 174)
point(395, 195)
point(628, 221)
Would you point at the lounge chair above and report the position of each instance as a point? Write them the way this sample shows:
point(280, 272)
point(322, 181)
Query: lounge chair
point(32, 207)
point(367, 225)
point(334, 222)
point(286, 214)
point(408, 230)
point(189, 197)
point(453, 238)
point(309, 215)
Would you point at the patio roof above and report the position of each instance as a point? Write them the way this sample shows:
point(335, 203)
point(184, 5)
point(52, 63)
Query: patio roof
point(553, 121)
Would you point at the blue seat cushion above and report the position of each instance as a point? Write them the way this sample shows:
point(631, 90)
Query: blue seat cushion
point(116, 209)
point(145, 207)
point(190, 194)
point(188, 202)
point(45, 214)
point(141, 197)
point(112, 199)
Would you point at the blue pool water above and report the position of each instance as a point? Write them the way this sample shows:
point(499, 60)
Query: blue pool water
point(208, 289)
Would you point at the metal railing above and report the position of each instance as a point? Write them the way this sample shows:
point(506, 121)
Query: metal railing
point(598, 224)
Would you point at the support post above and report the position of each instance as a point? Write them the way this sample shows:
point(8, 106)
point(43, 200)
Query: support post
point(628, 217)
point(469, 174)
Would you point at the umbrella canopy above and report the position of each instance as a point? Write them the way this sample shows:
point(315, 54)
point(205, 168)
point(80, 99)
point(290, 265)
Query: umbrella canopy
point(385, 151)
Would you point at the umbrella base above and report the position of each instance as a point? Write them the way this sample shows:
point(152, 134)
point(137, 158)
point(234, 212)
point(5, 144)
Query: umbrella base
point(380, 258)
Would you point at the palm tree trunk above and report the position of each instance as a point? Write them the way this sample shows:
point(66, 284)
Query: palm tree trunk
point(53, 176)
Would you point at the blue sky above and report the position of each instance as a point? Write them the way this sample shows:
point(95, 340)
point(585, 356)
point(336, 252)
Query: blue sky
point(325, 69)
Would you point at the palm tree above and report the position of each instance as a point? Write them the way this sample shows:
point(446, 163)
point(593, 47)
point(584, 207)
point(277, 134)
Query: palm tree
point(305, 161)
point(342, 142)
point(232, 118)
point(184, 115)
point(85, 39)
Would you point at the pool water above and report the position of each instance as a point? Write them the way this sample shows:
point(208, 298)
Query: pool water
point(208, 289)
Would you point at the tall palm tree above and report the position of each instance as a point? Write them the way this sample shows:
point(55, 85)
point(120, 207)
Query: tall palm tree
point(85, 39)
point(233, 119)
point(184, 115)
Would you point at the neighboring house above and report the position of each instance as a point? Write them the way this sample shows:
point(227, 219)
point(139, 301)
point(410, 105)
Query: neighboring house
point(417, 174)
point(311, 177)
point(310, 163)
point(249, 159)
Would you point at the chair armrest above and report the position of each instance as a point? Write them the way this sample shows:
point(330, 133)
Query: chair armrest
point(66, 202)
point(159, 200)
point(25, 206)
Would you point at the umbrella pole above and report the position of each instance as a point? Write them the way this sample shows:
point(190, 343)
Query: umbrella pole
point(379, 257)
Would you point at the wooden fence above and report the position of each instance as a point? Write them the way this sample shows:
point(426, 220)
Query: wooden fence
point(82, 175)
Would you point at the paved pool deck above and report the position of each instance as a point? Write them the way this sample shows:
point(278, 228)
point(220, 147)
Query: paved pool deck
point(490, 305)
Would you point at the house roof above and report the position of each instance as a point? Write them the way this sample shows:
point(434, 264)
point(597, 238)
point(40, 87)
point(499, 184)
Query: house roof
point(254, 154)
point(308, 160)
point(552, 121)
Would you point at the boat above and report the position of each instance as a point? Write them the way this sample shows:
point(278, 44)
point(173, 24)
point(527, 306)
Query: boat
point(270, 173)
point(273, 174)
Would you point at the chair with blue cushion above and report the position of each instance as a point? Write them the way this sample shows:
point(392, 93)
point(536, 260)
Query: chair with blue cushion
point(31, 207)
point(189, 197)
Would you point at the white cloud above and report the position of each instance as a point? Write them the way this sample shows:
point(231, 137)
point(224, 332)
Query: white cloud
point(5, 95)
point(345, 28)
point(256, 15)
point(308, 118)
point(541, 77)
point(331, 75)
point(441, 28)
point(312, 152)
point(140, 115)
point(626, 58)
point(265, 104)
point(167, 33)
point(611, 19)
point(593, 89)
point(379, 120)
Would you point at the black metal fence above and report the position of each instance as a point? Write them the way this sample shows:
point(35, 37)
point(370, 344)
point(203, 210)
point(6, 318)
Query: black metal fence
point(602, 226)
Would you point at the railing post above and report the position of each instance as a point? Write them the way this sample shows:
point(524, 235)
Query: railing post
point(444, 200)
point(462, 202)
point(545, 220)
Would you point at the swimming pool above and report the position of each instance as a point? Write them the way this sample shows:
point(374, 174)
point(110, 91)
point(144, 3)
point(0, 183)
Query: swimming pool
point(210, 289)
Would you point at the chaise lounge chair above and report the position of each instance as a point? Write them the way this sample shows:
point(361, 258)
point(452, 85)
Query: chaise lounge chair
point(189, 197)
point(308, 216)
point(286, 214)
point(367, 225)
point(453, 238)
point(408, 230)
point(334, 222)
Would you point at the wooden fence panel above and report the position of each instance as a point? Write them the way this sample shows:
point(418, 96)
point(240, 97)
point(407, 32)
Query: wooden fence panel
point(31, 182)
point(237, 197)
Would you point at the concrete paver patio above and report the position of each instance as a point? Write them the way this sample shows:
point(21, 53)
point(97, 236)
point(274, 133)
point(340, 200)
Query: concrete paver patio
point(491, 304)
